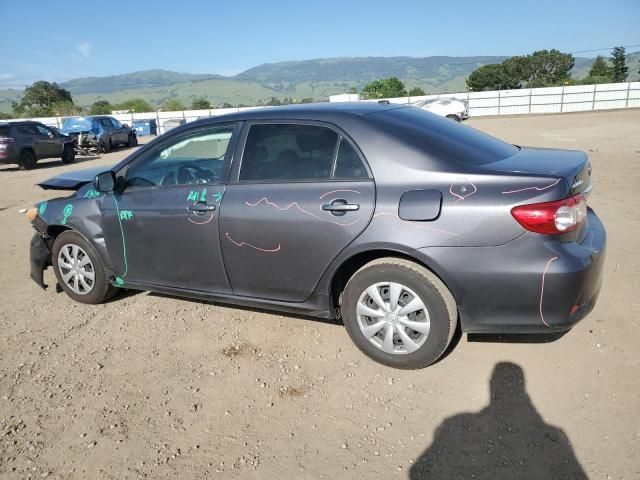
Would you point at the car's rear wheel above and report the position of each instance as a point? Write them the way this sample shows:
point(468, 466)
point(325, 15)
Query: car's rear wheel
point(453, 117)
point(68, 153)
point(399, 313)
point(27, 160)
point(79, 270)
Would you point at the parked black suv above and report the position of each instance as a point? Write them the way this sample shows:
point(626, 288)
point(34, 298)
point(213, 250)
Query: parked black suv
point(24, 143)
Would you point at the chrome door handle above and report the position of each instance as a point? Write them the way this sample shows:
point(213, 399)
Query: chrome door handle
point(339, 207)
point(200, 207)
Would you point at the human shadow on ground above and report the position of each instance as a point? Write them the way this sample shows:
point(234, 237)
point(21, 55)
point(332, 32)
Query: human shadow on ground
point(506, 440)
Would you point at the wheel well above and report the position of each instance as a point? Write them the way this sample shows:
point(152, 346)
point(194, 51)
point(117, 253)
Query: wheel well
point(55, 230)
point(29, 149)
point(353, 264)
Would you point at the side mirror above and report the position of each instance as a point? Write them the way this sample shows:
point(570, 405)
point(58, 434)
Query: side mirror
point(105, 182)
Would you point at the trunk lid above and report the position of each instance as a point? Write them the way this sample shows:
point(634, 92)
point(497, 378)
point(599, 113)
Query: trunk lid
point(571, 165)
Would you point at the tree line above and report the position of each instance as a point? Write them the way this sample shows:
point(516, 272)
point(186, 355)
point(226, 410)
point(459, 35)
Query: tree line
point(546, 68)
point(45, 99)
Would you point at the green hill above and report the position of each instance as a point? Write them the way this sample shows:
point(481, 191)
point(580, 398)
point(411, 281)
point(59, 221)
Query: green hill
point(317, 78)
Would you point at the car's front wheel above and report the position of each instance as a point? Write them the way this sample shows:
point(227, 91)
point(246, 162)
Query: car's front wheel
point(399, 313)
point(79, 270)
point(133, 141)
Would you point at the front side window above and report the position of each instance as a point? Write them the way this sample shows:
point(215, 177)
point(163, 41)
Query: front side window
point(288, 152)
point(43, 130)
point(194, 157)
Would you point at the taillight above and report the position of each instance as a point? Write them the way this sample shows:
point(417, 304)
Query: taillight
point(6, 140)
point(552, 218)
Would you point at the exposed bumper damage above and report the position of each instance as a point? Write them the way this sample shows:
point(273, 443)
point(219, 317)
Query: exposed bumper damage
point(40, 258)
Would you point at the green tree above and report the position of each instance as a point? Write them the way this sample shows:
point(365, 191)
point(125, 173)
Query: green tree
point(491, 77)
point(600, 72)
point(416, 92)
point(307, 100)
point(226, 105)
point(200, 103)
point(353, 90)
point(101, 107)
point(546, 68)
point(599, 68)
point(619, 67)
point(173, 105)
point(5, 116)
point(273, 101)
point(137, 105)
point(385, 88)
point(40, 98)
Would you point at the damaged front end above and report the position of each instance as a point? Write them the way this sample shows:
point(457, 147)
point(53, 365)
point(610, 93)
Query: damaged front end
point(40, 251)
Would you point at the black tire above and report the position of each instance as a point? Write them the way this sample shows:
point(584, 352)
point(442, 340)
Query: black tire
point(102, 290)
point(453, 117)
point(437, 299)
point(68, 153)
point(133, 141)
point(104, 147)
point(27, 160)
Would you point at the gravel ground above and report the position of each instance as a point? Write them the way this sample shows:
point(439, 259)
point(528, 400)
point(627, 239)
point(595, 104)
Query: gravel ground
point(150, 386)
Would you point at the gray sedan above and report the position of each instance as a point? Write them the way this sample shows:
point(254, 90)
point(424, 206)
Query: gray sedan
point(404, 225)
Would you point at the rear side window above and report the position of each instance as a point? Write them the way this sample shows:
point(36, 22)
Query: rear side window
point(442, 137)
point(288, 152)
point(348, 162)
point(5, 131)
point(28, 130)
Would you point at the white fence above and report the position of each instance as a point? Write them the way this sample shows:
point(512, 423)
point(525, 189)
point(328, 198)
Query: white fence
point(525, 101)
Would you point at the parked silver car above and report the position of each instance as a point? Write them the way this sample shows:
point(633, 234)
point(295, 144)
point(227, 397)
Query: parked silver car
point(452, 108)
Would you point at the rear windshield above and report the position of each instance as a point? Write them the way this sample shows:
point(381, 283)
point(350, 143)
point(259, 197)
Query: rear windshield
point(444, 138)
point(4, 131)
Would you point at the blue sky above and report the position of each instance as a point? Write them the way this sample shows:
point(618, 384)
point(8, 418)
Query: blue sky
point(61, 40)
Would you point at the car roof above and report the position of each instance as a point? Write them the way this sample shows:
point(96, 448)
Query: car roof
point(307, 111)
point(20, 122)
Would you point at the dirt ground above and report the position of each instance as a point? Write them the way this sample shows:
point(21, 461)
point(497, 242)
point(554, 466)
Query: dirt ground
point(150, 386)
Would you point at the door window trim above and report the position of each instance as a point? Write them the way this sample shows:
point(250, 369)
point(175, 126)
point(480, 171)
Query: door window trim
point(236, 166)
point(226, 163)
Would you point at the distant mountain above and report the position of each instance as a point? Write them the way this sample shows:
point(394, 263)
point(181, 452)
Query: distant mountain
point(127, 81)
point(317, 78)
point(365, 69)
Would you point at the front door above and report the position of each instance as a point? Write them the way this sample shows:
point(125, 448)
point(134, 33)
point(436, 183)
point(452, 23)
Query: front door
point(162, 229)
point(301, 195)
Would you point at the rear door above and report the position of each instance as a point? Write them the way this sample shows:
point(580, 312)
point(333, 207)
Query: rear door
point(39, 139)
point(301, 194)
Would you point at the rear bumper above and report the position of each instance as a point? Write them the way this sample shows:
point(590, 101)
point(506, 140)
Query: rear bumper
point(40, 259)
point(533, 284)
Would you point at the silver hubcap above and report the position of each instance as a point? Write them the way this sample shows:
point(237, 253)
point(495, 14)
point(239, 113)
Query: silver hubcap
point(76, 269)
point(393, 318)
